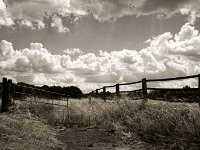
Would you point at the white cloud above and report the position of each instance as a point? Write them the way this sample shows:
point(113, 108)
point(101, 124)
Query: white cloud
point(166, 56)
point(25, 23)
point(73, 52)
point(5, 19)
point(37, 59)
point(40, 25)
point(58, 24)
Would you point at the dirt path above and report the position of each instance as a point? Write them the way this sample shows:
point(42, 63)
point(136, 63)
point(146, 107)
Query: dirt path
point(22, 131)
point(97, 139)
point(90, 139)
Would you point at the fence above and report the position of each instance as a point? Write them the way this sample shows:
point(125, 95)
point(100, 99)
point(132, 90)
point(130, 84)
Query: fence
point(11, 90)
point(145, 88)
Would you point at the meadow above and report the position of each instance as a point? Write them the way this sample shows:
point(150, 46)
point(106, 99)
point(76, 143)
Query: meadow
point(164, 125)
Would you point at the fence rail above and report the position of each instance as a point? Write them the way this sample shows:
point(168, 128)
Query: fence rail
point(144, 89)
point(50, 92)
point(172, 79)
point(9, 92)
point(172, 89)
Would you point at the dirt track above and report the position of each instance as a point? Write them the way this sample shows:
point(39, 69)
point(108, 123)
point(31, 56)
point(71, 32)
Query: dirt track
point(95, 139)
point(82, 139)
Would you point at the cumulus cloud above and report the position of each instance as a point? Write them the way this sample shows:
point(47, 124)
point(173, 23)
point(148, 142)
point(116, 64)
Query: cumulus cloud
point(73, 52)
point(166, 55)
point(36, 59)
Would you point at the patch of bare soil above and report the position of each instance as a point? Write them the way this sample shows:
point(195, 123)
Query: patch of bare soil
point(97, 139)
point(88, 138)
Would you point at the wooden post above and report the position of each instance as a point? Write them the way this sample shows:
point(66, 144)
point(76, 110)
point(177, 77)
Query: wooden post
point(9, 92)
point(199, 88)
point(63, 114)
point(6, 94)
point(52, 102)
point(144, 89)
point(117, 89)
point(14, 90)
point(97, 91)
point(4, 104)
point(104, 93)
point(34, 95)
point(199, 81)
point(67, 101)
point(48, 96)
point(23, 91)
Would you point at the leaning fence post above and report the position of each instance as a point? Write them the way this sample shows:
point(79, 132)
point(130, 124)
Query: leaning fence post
point(104, 93)
point(117, 89)
point(4, 104)
point(144, 89)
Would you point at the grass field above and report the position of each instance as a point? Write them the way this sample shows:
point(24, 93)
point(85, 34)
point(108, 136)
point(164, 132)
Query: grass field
point(163, 124)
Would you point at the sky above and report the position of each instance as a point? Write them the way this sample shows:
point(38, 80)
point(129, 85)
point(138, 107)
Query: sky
point(93, 43)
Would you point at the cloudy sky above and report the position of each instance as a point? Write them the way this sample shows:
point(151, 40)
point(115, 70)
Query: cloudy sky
point(92, 43)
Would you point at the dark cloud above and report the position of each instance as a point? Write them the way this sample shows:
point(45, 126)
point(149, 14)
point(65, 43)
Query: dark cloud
point(67, 11)
point(167, 5)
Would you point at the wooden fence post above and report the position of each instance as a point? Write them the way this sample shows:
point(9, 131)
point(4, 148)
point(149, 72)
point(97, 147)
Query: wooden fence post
point(117, 89)
point(199, 81)
point(6, 94)
point(104, 93)
point(67, 101)
point(14, 90)
point(199, 88)
point(9, 91)
point(97, 91)
point(4, 104)
point(144, 88)
point(23, 91)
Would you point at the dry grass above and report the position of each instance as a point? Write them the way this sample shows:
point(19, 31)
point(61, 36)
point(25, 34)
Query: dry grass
point(20, 131)
point(163, 124)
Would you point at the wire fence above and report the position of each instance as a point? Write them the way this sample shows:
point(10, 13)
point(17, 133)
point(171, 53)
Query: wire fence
point(15, 92)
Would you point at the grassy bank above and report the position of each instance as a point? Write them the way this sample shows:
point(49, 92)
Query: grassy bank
point(20, 131)
point(163, 124)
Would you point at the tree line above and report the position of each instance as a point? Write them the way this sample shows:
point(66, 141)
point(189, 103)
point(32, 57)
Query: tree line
point(71, 91)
